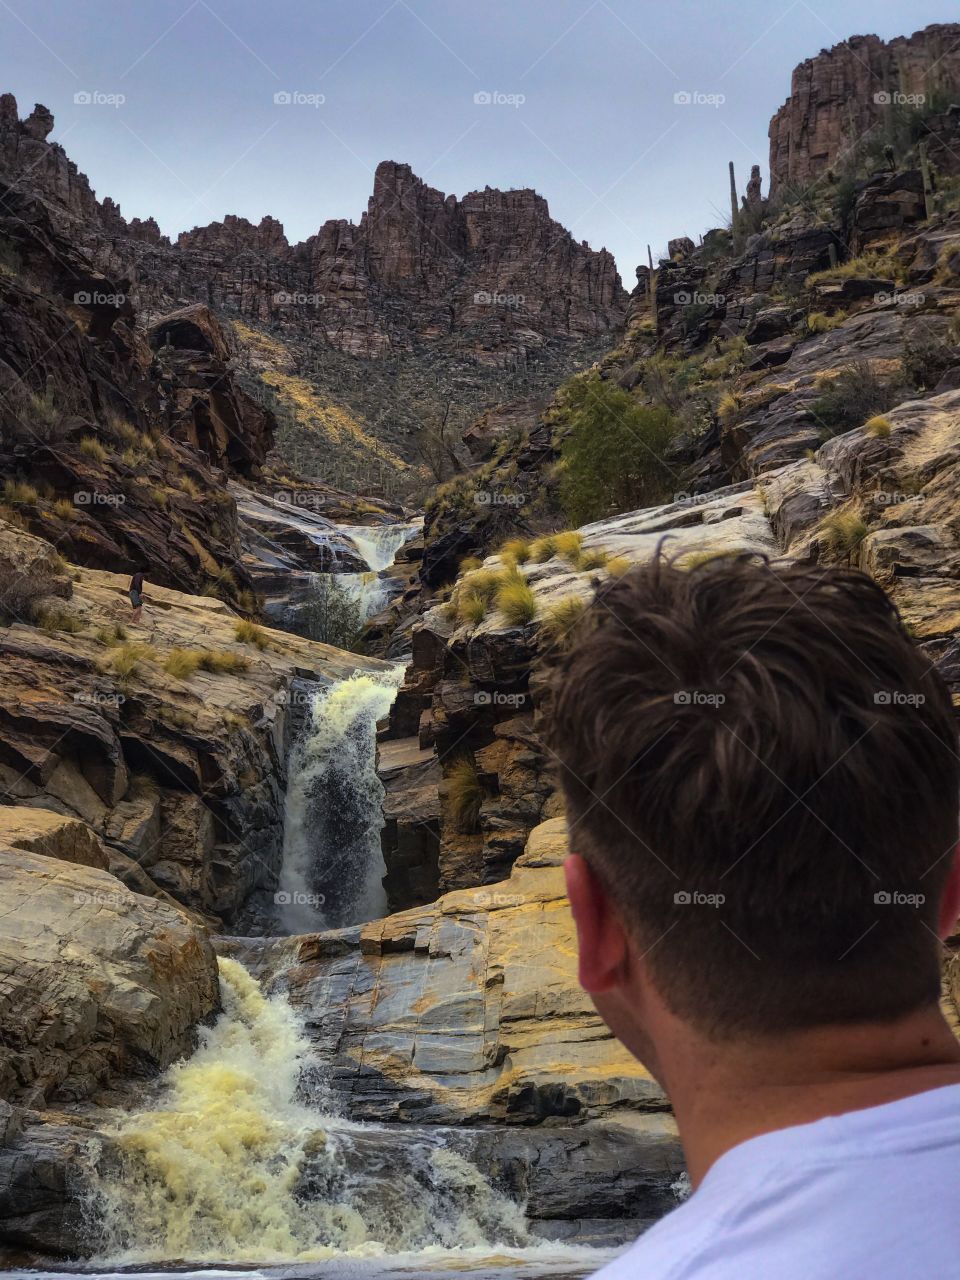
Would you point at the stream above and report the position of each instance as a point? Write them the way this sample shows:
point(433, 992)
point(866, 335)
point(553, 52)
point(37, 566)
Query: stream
point(236, 1161)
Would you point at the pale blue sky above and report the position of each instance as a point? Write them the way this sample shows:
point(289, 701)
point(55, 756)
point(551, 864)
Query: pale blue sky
point(598, 131)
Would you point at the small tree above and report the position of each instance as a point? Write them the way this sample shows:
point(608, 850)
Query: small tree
point(331, 615)
point(614, 452)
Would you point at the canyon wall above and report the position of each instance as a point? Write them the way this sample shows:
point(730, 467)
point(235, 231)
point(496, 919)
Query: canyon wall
point(847, 94)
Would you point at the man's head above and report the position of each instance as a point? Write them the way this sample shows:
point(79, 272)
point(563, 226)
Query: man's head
point(762, 785)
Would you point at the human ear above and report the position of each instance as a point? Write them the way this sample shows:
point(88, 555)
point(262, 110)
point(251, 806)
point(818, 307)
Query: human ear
point(601, 937)
point(950, 900)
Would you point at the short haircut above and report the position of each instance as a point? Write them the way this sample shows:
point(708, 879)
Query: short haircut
point(762, 770)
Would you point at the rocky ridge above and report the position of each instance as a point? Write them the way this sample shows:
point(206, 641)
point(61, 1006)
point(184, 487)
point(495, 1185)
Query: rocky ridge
point(483, 297)
point(851, 93)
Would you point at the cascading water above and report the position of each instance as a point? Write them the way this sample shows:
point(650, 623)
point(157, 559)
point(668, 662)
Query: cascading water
point(332, 864)
point(233, 1163)
point(379, 543)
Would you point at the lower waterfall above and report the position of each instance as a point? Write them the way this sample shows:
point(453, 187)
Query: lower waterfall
point(332, 865)
point(231, 1162)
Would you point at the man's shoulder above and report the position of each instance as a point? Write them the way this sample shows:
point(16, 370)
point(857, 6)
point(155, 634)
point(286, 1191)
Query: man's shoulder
point(664, 1251)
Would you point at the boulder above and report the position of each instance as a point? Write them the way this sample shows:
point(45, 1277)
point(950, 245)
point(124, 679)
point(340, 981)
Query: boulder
point(94, 980)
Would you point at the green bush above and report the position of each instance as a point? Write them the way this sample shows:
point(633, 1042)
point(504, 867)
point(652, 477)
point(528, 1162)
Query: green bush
point(331, 615)
point(613, 451)
point(857, 392)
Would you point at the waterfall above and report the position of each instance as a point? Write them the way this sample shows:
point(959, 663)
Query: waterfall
point(231, 1162)
point(332, 862)
point(379, 543)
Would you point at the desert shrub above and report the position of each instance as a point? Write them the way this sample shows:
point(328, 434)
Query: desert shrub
point(20, 597)
point(331, 615)
point(65, 509)
point(729, 407)
point(468, 563)
point(464, 794)
point(91, 447)
point(948, 265)
point(188, 486)
point(595, 558)
point(879, 426)
point(126, 659)
point(183, 663)
point(857, 391)
point(223, 661)
point(568, 545)
point(112, 635)
point(880, 264)
point(249, 633)
point(516, 601)
point(561, 620)
point(485, 583)
point(618, 566)
point(614, 452)
point(17, 494)
point(517, 550)
point(543, 549)
point(56, 618)
point(471, 606)
point(820, 322)
point(927, 355)
point(842, 532)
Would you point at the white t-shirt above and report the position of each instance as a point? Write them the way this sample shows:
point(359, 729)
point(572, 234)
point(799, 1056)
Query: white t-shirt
point(870, 1195)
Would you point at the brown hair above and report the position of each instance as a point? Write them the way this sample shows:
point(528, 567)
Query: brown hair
point(762, 769)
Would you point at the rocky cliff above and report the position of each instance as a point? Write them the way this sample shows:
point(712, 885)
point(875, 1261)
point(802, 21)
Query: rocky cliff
point(855, 92)
point(450, 305)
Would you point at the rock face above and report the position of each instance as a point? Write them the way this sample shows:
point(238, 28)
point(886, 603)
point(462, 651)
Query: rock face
point(484, 298)
point(115, 441)
point(180, 776)
point(849, 91)
point(493, 264)
point(94, 979)
point(468, 1009)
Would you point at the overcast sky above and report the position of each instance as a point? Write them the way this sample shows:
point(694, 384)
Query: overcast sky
point(576, 98)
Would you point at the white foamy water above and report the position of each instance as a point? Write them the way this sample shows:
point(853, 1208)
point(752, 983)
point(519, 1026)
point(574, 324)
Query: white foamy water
point(379, 543)
point(230, 1163)
point(332, 864)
